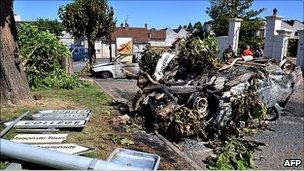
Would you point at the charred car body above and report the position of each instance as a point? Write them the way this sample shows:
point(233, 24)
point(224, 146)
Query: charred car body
point(115, 69)
point(239, 95)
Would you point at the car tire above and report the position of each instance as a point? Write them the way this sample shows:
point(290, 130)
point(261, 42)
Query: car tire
point(106, 75)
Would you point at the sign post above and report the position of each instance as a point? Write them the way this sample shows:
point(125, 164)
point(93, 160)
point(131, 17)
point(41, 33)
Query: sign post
point(39, 138)
point(62, 115)
point(50, 124)
point(67, 148)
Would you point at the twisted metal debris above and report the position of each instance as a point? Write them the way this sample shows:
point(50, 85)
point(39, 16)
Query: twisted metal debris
point(182, 99)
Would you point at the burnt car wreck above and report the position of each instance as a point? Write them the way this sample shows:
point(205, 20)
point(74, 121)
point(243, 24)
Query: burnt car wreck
point(193, 94)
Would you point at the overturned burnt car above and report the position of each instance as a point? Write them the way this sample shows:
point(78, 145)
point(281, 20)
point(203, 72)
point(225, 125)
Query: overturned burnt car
point(198, 96)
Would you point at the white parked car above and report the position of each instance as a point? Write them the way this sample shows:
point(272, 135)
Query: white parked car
point(115, 69)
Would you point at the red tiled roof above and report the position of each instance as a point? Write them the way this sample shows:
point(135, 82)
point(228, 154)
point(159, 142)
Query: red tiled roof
point(158, 34)
point(139, 35)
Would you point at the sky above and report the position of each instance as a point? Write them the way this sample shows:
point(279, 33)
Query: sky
point(156, 13)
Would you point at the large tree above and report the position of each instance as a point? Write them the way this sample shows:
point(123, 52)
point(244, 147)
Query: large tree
point(93, 19)
point(190, 27)
point(53, 26)
point(220, 11)
point(198, 25)
point(13, 83)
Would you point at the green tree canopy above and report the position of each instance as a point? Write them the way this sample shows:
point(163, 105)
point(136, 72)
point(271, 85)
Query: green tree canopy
point(42, 54)
point(90, 18)
point(220, 11)
point(198, 25)
point(190, 27)
point(53, 26)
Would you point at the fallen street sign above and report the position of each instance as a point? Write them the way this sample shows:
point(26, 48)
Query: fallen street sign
point(67, 148)
point(62, 115)
point(50, 124)
point(39, 138)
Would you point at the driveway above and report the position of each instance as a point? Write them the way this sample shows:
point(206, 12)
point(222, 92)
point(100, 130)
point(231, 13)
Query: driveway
point(119, 88)
point(286, 142)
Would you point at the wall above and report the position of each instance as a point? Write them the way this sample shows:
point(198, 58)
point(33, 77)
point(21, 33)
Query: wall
point(157, 42)
point(66, 39)
point(223, 44)
point(300, 52)
point(297, 26)
point(183, 33)
point(171, 36)
point(105, 50)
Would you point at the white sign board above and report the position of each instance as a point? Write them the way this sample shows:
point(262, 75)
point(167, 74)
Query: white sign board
point(124, 46)
point(39, 138)
point(50, 124)
point(67, 148)
point(62, 115)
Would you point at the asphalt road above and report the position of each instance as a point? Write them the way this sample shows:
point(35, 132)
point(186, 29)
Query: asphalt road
point(286, 142)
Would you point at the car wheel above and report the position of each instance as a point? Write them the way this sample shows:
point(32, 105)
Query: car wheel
point(106, 75)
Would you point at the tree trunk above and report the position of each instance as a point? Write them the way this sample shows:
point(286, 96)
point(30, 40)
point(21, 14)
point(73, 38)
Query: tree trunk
point(110, 48)
point(13, 83)
point(92, 53)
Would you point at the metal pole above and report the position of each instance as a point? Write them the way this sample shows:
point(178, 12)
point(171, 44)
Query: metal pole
point(55, 159)
point(3, 132)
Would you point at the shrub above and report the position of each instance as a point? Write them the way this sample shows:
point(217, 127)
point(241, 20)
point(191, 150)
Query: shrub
point(149, 59)
point(197, 55)
point(41, 54)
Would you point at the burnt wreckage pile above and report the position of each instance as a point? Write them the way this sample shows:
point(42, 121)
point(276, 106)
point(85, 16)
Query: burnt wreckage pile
point(193, 94)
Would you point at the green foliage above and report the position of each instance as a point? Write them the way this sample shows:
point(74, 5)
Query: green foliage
point(249, 106)
point(3, 164)
point(235, 155)
point(220, 11)
point(149, 59)
point(57, 79)
point(190, 27)
point(198, 25)
point(90, 18)
point(197, 55)
point(53, 26)
point(42, 54)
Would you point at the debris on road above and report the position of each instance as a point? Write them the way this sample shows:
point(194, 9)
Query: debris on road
point(194, 94)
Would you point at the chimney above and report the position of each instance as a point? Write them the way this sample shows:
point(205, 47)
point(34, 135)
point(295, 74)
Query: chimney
point(146, 26)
